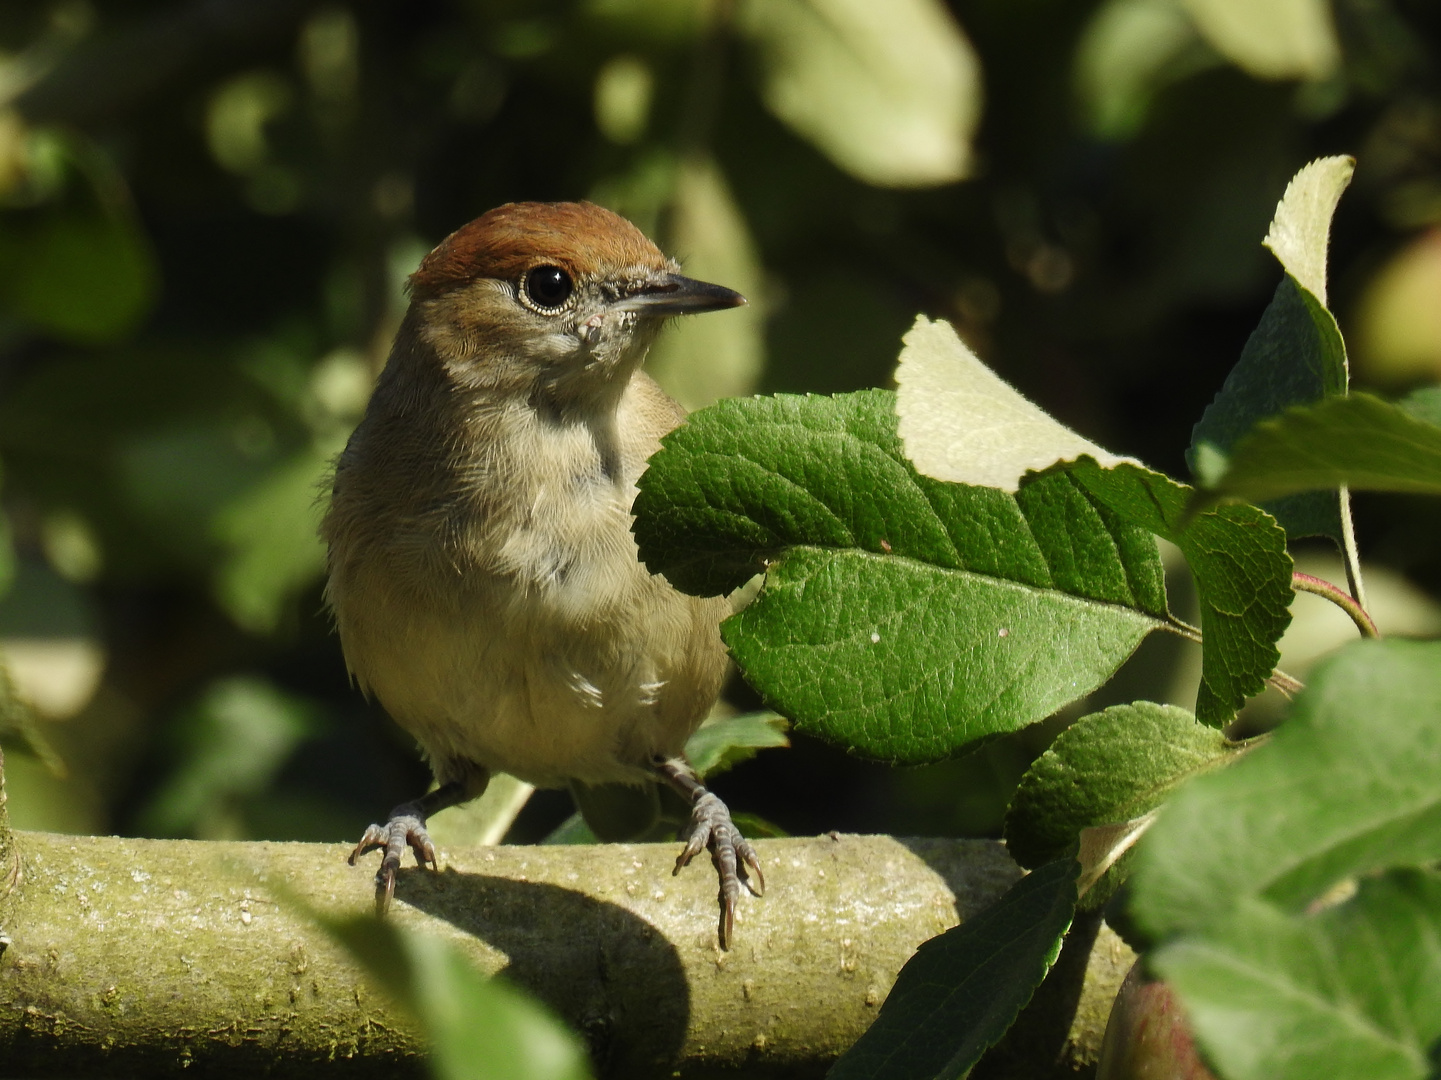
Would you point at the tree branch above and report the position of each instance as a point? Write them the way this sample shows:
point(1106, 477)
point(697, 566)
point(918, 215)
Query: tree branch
point(153, 956)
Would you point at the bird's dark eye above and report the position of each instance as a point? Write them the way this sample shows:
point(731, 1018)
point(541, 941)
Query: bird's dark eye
point(548, 286)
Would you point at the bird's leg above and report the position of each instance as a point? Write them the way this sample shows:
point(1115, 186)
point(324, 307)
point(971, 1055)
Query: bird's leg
point(711, 827)
point(407, 826)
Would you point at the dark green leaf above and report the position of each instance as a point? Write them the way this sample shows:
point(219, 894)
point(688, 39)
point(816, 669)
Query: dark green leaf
point(1237, 555)
point(1295, 356)
point(1349, 784)
point(614, 812)
point(722, 744)
point(1353, 993)
point(1110, 766)
point(961, 991)
point(903, 616)
point(1358, 440)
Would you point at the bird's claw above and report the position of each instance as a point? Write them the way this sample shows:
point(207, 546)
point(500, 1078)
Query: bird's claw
point(734, 858)
point(393, 837)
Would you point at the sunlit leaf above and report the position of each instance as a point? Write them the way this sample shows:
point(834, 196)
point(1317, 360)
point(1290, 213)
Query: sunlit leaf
point(1360, 440)
point(1301, 229)
point(1296, 354)
point(484, 820)
point(901, 616)
point(478, 1028)
point(700, 361)
point(1352, 993)
point(959, 421)
point(1129, 52)
point(722, 744)
point(1238, 558)
point(889, 92)
point(1110, 766)
point(1272, 39)
point(1349, 784)
point(961, 991)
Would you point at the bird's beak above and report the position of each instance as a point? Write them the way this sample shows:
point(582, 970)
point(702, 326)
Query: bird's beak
point(677, 295)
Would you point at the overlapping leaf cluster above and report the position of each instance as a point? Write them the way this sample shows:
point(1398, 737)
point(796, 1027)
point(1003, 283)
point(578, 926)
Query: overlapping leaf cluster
point(909, 617)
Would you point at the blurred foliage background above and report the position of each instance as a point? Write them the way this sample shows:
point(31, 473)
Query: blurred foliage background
point(208, 209)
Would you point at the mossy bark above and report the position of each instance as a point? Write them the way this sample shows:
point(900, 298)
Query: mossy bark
point(151, 957)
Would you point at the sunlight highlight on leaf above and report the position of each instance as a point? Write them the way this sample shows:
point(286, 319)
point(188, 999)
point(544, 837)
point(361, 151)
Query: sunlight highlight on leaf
point(961, 422)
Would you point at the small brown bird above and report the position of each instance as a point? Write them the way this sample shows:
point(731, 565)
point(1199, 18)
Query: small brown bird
point(483, 576)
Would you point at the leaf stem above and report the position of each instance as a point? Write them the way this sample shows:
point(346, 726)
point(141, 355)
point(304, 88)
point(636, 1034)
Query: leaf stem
point(1346, 602)
point(1183, 629)
point(1351, 556)
point(1286, 684)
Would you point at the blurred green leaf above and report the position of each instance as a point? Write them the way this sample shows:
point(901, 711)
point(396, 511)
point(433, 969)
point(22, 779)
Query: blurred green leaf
point(889, 92)
point(1271, 39)
point(719, 745)
point(903, 617)
point(616, 812)
point(1110, 766)
point(79, 266)
point(1129, 52)
point(1351, 783)
point(1424, 404)
point(1352, 993)
point(700, 361)
point(7, 549)
point(272, 542)
point(573, 830)
point(484, 820)
point(228, 746)
point(960, 992)
point(18, 721)
point(1359, 440)
point(1237, 555)
point(479, 1028)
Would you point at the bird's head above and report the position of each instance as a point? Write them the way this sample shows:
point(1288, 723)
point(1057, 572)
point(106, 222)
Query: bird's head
point(559, 300)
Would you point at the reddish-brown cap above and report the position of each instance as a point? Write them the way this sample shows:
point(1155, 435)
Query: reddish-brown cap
point(581, 237)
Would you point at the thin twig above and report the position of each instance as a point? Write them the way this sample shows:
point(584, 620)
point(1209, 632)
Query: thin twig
point(1343, 600)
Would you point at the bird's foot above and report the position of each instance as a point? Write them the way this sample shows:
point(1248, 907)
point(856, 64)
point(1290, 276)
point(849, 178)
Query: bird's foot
point(402, 830)
point(734, 858)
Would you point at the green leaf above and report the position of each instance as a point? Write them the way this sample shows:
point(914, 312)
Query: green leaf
point(1271, 39)
point(616, 812)
point(1352, 993)
point(1296, 355)
point(901, 616)
point(718, 745)
point(1349, 784)
point(1237, 554)
point(230, 745)
point(1424, 404)
point(271, 534)
point(962, 422)
point(79, 267)
point(1110, 766)
point(700, 361)
point(479, 1028)
point(891, 93)
point(1360, 440)
point(962, 990)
